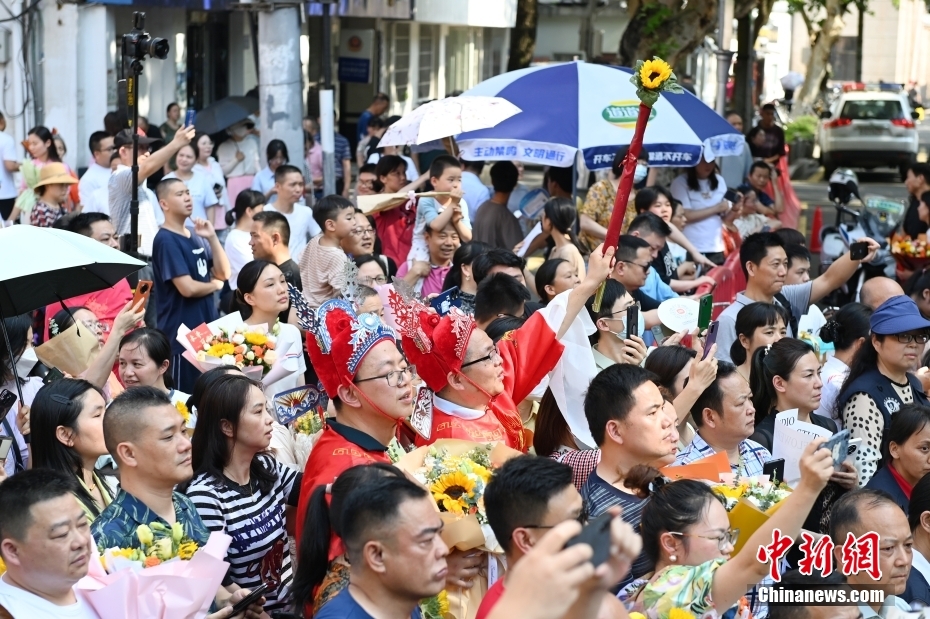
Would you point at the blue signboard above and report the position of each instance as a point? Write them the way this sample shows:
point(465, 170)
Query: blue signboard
point(354, 70)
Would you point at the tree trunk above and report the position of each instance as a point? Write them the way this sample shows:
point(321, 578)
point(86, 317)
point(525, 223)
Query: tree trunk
point(523, 35)
point(830, 29)
point(664, 29)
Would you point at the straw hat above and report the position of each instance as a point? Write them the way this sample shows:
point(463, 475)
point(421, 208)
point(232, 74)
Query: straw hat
point(55, 174)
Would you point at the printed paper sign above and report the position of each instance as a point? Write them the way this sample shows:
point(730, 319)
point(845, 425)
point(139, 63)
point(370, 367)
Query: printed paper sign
point(790, 439)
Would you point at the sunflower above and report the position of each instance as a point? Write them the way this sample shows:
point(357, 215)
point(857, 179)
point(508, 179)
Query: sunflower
point(182, 408)
point(452, 490)
point(443, 598)
point(680, 613)
point(255, 338)
point(2, 567)
point(731, 492)
point(186, 550)
point(220, 349)
point(654, 72)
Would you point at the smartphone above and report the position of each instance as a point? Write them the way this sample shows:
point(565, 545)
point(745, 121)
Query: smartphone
point(858, 251)
point(595, 534)
point(658, 334)
point(731, 195)
point(838, 444)
point(775, 469)
point(855, 444)
point(705, 310)
point(250, 599)
point(632, 321)
point(446, 300)
point(7, 399)
point(189, 119)
point(143, 290)
point(53, 375)
point(711, 338)
point(5, 443)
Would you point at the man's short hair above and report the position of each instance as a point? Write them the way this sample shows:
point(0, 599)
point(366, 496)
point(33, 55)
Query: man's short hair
point(476, 167)
point(755, 248)
point(797, 252)
point(846, 513)
point(329, 207)
point(790, 236)
point(274, 221)
point(768, 107)
point(497, 257)
point(368, 168)
point(610, 396)
point(794, 578)
point(283, 170)
point(649, 223)
point(377, 122)
point(921, 169)
point(370, 510)
point(82, 222)
point(504, 176)
point(562, 177)
point(629, 245)
point(125, 417)
point(712, 397)
point(21, 491)
point(759, 164)
point(95, 138)
point(382, 97)
point(441, 164)
point(499, 294)
point(164, 186)
point(519, 494)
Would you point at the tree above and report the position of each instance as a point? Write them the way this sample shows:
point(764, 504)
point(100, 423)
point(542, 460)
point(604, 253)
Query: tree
point(823, 35)
point(670, 29)
point(523, 35)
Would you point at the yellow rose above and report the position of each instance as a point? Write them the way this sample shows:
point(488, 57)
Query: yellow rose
point(637, 616)
point(145, 535)
point(163, 549)
point(177, 532)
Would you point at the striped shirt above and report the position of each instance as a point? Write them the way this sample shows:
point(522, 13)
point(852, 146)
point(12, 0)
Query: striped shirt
point(322, 272)
point(752, 456)
point(259, 552)
point(599, 496)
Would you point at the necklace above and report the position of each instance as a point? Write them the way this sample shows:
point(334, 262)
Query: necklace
point(741, 375)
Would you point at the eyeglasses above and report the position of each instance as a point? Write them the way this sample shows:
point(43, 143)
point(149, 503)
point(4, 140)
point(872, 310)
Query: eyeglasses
point(723, 541)
point(394, 378)
point(907, 338)
point(493, 357)
point(582, 518)
point(369, 281)
point(363, 231)
point(96, 326)
point(644, 267)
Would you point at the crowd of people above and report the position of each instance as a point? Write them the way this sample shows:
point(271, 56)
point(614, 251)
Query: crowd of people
point(426, 322)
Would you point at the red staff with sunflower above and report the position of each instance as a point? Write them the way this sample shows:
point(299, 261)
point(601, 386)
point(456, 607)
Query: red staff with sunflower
point(650, 77)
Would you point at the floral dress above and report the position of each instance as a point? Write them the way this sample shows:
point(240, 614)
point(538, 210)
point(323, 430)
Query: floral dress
point(599, 204)
point(685, 587)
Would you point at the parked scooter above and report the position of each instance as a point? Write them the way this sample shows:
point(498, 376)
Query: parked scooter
point(877, 218)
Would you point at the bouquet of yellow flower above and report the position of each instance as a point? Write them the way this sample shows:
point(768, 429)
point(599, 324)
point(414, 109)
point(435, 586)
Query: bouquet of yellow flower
point(229, 341)
point(157, 544)
point(456, 473)
point(910, 254)
point(750, 503)
point(167, 575)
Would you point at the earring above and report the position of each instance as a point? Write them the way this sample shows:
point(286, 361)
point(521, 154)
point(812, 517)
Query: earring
point(467, 278)
point(673, 558)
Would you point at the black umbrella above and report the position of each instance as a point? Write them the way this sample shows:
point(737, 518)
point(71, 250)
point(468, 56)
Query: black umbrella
point(60, 265)
point(225, 113)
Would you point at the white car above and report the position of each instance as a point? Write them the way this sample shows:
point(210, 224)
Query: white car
point(868, 129)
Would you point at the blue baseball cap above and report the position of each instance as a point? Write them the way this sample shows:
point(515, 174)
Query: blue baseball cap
point(898, 315)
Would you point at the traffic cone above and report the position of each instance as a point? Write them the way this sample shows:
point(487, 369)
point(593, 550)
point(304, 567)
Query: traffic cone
point(816, 225)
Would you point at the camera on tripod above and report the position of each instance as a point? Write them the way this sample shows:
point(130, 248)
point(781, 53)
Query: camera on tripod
point(139, 45)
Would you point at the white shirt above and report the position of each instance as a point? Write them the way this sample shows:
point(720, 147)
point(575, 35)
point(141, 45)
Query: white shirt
point(303, 228)
point(239, 253)
point(25, 605)
point(263, 182)
point(475, 193)
point(7, 153)
point(99, 202)
point(289, 339)
point(706, 235)
point(833, 373)
point(250, 147)
point(215, 172)
point(96, 177)
point(202, 194)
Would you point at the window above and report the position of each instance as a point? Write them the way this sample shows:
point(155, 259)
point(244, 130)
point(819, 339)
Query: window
point(425, 88)
point(872, 110)
point(843, 59)
point(493, 61)
point(400, 61)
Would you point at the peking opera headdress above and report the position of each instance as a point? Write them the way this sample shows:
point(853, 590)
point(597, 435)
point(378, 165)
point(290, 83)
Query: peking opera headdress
point(338, 340)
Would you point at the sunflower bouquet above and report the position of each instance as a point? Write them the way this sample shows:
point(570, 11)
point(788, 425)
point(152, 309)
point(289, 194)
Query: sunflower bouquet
point(229, 341)
point(157, 544)
point(456, 473)
point(165, 575)
point(750, 502)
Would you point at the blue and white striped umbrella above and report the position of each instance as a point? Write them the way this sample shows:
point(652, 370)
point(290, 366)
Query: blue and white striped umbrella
point(591, 107)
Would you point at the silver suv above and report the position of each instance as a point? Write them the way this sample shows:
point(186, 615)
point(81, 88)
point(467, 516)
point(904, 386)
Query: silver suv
point(868, 129)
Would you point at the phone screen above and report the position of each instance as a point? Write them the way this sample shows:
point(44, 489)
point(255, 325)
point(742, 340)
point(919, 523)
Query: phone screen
point(858, 251)
point(632, 320)
point(5, 443)
point(711, 339)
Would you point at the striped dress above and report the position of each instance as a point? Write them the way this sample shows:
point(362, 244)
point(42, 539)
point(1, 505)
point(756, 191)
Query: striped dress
point(259, 552)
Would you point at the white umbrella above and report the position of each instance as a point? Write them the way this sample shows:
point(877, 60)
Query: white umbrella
point(39, 266)
point(448, 117)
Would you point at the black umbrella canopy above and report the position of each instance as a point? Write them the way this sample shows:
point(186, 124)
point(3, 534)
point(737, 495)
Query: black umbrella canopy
point(225, 113)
